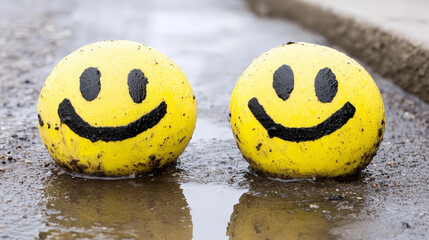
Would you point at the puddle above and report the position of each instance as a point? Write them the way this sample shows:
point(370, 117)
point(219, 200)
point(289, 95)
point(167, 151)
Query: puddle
point(160, 207)
point(141, 208)
point(211, 208)
point(276, 217)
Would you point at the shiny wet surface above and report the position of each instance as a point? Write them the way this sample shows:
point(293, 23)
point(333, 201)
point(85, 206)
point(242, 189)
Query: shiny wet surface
point(155, 208)
point(210, 193)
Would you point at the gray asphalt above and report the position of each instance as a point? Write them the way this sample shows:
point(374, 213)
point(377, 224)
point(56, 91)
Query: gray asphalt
point(210, 192)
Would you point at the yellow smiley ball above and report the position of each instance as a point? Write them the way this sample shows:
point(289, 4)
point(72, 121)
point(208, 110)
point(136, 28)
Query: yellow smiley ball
point(303, 110)
point(116, 108)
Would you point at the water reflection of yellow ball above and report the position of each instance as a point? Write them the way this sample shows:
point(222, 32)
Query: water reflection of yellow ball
point(121, 209)
point(274, 217)
point(303, 110)
point(115, 108)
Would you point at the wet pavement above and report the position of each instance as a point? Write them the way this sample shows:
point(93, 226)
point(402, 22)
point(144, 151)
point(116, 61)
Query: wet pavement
point(210, 193)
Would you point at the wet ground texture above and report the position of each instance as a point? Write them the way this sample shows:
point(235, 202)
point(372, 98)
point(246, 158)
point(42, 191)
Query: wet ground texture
point(210, 193)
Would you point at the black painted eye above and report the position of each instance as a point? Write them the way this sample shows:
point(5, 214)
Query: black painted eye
point(326, 85)
point(137, 85)
point(90, 83)
point(283, 81)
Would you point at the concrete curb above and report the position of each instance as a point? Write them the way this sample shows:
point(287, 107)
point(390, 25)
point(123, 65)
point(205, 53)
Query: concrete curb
point(393, 57)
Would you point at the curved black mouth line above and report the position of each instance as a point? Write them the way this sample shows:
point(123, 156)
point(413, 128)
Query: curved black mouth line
point(68, 116)
point(330, 125)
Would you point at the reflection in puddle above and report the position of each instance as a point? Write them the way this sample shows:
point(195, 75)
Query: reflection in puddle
point(156, 208)
point(120, 209)
point(274, 217)
point(211, 207)
point(295, 210)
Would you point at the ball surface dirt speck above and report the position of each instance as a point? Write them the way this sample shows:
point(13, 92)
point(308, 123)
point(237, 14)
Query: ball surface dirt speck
point(116, 108)
point(303, 110)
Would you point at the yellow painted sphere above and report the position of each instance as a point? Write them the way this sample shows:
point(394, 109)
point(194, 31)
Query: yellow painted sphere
point(303, 110)
point(116, 108)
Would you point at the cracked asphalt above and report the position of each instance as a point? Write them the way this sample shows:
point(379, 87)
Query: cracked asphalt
point(210, 193)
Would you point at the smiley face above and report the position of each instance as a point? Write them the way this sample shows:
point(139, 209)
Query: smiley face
point(304, 110)
point(90, 88)
point(326, 87)
point(116, 108)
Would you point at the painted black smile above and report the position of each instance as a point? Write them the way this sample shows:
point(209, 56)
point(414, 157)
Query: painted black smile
point(68, 116)
point(330, 125)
